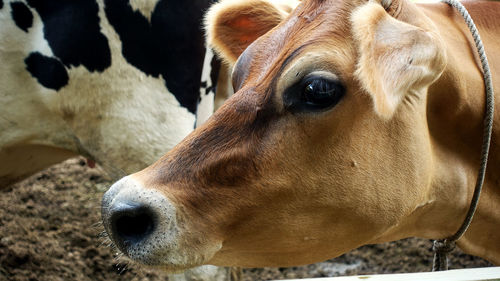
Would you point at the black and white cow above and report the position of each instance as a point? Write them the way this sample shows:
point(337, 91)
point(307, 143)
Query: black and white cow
point(118, 81)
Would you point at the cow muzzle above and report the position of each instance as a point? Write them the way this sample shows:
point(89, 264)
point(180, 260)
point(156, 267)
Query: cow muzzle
point(141, 222)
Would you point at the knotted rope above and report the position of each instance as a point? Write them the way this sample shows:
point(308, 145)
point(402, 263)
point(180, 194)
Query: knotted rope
point(444, 246)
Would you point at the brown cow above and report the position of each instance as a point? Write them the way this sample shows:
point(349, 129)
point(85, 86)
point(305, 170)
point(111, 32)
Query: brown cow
point(354, 122)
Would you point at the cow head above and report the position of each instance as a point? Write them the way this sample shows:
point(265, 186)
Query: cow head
point(324, 146)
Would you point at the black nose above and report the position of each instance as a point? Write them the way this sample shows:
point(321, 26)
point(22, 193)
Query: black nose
point(131, 224)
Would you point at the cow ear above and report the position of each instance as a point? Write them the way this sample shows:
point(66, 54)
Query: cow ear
point(232, 25)
point(395, 58)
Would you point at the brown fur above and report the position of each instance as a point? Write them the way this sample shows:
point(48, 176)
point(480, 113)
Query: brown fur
point(396, 157)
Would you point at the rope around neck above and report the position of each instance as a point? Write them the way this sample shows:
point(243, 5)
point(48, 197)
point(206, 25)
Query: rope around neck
point(444, 246)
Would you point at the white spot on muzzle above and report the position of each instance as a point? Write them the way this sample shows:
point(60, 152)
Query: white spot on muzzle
point(158, 247)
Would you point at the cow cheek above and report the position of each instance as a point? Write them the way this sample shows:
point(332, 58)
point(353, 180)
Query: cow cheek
point(382, 166)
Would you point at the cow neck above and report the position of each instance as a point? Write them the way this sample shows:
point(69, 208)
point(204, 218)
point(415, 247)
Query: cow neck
point(444, 246)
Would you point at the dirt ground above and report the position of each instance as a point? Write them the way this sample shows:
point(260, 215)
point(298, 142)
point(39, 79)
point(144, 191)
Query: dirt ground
point(50, 230)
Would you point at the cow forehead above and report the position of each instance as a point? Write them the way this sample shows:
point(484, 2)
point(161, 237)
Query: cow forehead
point(314, 26)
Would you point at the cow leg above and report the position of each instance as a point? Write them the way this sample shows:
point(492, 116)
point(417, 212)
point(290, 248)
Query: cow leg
point(208, 273)
point(20, 161)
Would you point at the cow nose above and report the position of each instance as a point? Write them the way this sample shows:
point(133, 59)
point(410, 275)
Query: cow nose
point(139, 221)
point(131, 223)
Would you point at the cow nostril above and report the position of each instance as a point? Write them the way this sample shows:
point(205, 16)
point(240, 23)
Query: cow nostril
point(132, 224)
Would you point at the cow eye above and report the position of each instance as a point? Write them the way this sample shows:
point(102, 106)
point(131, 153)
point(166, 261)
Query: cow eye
point(314, 93)
point(320, 92)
